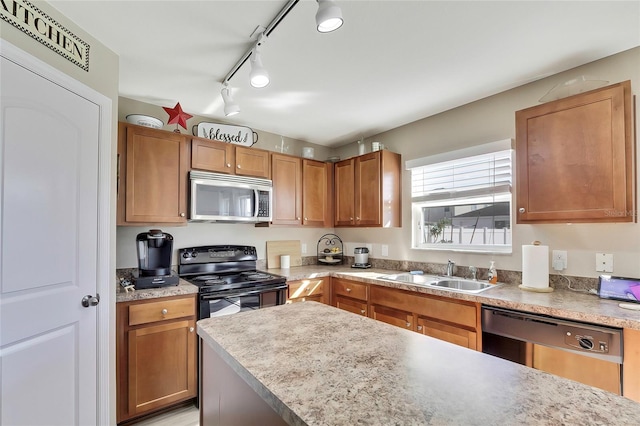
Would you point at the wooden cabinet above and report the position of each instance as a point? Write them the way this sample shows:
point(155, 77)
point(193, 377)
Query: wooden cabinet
point(315, 289)
point(591, 371)
point(574, 158)
point(631, 365)
point(221, 157)
point(368, 190)
point(392, 316)
point(301, 191)
point(152, 181)
point(287, 189)
point(454, 321)
point(350, 295)
point(449, 333)
point(156, 354)
point(317, 194)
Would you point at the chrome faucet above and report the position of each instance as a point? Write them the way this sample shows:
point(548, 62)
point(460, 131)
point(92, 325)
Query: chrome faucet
point(474, 272)
point(450, 266)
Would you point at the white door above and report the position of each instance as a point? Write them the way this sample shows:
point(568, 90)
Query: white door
point(49, 249)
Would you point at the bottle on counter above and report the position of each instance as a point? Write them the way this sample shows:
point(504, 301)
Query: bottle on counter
point(493, 274)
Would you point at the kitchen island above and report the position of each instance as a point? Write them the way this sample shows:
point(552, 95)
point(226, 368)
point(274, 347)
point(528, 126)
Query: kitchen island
point(313, 364)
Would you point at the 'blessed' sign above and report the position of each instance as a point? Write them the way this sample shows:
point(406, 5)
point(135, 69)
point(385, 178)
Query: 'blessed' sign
point(226, 133)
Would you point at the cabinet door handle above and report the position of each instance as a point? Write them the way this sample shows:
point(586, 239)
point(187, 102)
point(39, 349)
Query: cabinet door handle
point(357, 218)
point(191, 329)
point(408, 324)
point(182, 215)
point(239, 166)
point(362, 311)
point(348, 290)
point(419, 328)
point(350, 218)
point(228, 164)
point(165, 311)
point(521, 210)
point(297, 218)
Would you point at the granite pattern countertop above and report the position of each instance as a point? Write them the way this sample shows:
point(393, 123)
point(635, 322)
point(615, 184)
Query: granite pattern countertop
point(561, 303)
point(317, 365)
point(182, 288)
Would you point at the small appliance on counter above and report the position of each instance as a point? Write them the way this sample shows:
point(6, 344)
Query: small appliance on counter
point(361, 258)
point(154, 260)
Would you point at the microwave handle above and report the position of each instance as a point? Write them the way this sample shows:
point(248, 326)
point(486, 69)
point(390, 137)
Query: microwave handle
point(256, 194)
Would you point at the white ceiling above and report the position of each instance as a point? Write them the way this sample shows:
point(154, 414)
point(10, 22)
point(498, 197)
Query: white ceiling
point(392, 62)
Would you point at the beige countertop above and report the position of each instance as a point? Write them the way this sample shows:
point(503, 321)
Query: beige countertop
point(562, 303)
point(318, 365)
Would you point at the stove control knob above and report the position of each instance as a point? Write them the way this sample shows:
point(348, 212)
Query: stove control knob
point(194, 254)
point(186, 255)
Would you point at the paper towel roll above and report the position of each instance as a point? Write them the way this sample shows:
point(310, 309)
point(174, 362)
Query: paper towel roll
point(535, 266)
point(285, 261)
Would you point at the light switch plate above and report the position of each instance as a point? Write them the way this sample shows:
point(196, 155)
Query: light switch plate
point(303, 248)
point(385, 250)
point(604, 262)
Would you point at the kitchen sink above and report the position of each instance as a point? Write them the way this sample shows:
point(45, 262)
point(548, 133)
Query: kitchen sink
point(463, 285)
point(444, 283)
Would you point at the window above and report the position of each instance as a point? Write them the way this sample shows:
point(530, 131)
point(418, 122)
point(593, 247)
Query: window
point(462, 204)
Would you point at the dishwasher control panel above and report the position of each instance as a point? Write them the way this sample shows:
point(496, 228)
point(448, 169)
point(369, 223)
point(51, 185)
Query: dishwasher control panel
point(595, 342)
point(587, 339)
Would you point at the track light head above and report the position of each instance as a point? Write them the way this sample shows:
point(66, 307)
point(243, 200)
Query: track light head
point(259, 75)
point(230, 107)
point(329, 16)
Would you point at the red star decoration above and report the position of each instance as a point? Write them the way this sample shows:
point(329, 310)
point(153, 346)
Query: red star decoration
point(177, 115)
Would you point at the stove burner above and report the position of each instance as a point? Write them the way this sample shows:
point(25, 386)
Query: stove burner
point(256, 275)
point(214, 282)
point(207, 278)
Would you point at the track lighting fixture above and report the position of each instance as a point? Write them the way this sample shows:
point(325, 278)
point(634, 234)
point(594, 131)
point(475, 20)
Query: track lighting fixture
point(329, 16)
point(230, 107)
point(259, 75)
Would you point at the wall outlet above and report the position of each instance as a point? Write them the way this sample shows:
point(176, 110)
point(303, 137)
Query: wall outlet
point(604, 262)
point(385, 250)
point(559, 260)
point(303, 248)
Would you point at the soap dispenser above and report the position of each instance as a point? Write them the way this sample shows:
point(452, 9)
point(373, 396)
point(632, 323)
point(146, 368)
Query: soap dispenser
point(493, 274)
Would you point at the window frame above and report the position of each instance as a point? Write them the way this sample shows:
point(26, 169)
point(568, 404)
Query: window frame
point(487, 195)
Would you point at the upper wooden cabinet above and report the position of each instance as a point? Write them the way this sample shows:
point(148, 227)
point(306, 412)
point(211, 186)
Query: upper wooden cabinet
point(368, 190)
point(574, 158)
point(153, 168)
point(221, 157)
point(301, 191)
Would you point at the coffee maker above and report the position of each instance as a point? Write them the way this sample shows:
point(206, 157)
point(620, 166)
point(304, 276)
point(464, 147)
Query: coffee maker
point(155, 249)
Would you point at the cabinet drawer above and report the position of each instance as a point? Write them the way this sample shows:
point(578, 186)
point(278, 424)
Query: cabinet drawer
point(351, 305)
point(350, 289)
point(392, 316)
point(448, 333)
point(306, 288)
point(160, 311)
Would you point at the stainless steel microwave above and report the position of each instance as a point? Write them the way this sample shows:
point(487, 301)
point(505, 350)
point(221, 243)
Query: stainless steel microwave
point(216, 197)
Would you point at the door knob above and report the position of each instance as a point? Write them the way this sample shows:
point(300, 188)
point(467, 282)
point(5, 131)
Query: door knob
point(90, 300)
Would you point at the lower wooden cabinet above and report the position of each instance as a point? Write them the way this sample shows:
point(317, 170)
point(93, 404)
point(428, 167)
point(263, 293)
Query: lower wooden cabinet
point(350, 295)
point(392, 316)
point(449, 333)
point(314, 289)
point(451, 320)
point(351, 305)
point(156, 354)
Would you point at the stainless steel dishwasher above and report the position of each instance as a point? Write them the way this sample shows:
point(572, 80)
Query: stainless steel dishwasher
point(583, 352)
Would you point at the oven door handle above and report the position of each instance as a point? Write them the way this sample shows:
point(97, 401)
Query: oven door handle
point(224, 295)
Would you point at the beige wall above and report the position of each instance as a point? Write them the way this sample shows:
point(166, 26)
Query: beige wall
point(492, 119)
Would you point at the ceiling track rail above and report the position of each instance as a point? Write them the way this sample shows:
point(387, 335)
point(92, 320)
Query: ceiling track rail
point(268, 30)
